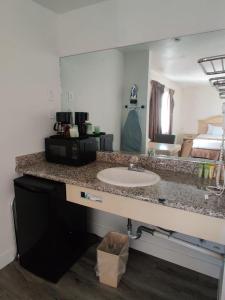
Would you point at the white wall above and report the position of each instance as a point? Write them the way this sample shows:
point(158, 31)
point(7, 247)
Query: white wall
point(95, 80)
point(136, 64)
point(29, 70)
point(199, 102)
point(123, 22)
point(178, 100)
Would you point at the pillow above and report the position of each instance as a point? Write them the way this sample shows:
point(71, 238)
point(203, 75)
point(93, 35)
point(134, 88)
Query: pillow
point(214, 130)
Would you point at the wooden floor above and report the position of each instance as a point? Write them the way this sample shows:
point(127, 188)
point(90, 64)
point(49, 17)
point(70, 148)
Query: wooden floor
point(146, 278)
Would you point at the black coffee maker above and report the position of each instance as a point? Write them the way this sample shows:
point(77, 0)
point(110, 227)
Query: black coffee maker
point(80, 119)
point(63, 120)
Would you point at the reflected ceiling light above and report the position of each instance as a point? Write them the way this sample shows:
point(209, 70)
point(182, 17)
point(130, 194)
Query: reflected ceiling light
point(213, 65)
point(218, 83)
point(222, 94)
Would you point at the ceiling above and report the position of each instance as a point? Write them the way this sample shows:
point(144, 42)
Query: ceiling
point(177, 60)
point(63, 6)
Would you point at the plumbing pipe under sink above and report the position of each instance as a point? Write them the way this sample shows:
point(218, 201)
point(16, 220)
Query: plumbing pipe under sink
point(168, 235)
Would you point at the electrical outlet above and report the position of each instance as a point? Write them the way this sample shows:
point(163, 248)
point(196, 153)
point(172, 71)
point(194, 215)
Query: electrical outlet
point(52, 114)
point(70, 96)
point(51, 96)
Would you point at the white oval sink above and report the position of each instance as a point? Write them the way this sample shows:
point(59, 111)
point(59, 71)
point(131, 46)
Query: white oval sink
point(121, 176)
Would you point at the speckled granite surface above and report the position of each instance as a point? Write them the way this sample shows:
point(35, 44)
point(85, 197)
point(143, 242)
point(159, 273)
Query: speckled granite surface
point(174, 164)
point(29, 159)
point(182, 191)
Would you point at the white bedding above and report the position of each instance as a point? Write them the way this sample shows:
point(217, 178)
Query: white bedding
point(206, 141)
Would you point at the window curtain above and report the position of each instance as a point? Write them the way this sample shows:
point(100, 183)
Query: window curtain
point(171, 101)
point(155, 109)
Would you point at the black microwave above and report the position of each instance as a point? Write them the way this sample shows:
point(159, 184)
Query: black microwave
point(70, 151)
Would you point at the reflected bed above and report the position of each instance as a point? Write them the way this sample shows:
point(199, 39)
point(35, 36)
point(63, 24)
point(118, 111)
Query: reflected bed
point(207, 144)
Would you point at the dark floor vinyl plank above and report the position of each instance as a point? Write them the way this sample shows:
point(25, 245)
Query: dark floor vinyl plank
point(23, 285)
point(164, 277)
point(147, 278)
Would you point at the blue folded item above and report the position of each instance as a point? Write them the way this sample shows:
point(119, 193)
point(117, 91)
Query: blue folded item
point(131, 135)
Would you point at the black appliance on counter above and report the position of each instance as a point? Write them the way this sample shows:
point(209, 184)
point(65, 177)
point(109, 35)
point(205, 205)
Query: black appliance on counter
point(80, 119)
point(70, 151)
point(51, 232)
point(63, 119)
point(106, 142)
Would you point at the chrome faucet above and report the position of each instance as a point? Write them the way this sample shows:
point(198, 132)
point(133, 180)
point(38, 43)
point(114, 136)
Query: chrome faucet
point(133, 167)
point(133, 164)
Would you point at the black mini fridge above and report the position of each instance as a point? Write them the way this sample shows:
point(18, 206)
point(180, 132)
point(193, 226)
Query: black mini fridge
point(51, 232)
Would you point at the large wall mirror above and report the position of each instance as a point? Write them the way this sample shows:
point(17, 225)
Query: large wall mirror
point(154, 98)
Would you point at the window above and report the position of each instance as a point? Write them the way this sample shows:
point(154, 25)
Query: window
point(165, 112)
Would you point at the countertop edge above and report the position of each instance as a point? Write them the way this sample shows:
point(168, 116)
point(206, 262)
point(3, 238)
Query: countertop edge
point(202, 211)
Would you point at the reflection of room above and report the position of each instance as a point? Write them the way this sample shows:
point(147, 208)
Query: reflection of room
point(103, 80)
point(193, 103)
point(93, 83)
point(196, 118)
point(170, 126)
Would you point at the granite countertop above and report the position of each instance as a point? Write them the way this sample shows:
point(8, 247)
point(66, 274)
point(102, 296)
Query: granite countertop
point(182, 191)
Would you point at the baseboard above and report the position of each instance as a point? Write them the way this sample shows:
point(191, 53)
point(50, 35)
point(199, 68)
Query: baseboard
point(168, 251)
point(7, 257)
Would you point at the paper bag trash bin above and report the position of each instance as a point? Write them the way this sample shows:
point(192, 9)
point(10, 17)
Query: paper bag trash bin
point(112, 256)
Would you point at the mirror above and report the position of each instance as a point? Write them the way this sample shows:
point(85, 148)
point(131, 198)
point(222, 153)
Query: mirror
point(154, 98)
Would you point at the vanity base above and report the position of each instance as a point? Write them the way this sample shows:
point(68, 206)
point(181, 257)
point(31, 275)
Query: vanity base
point(189, 223)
